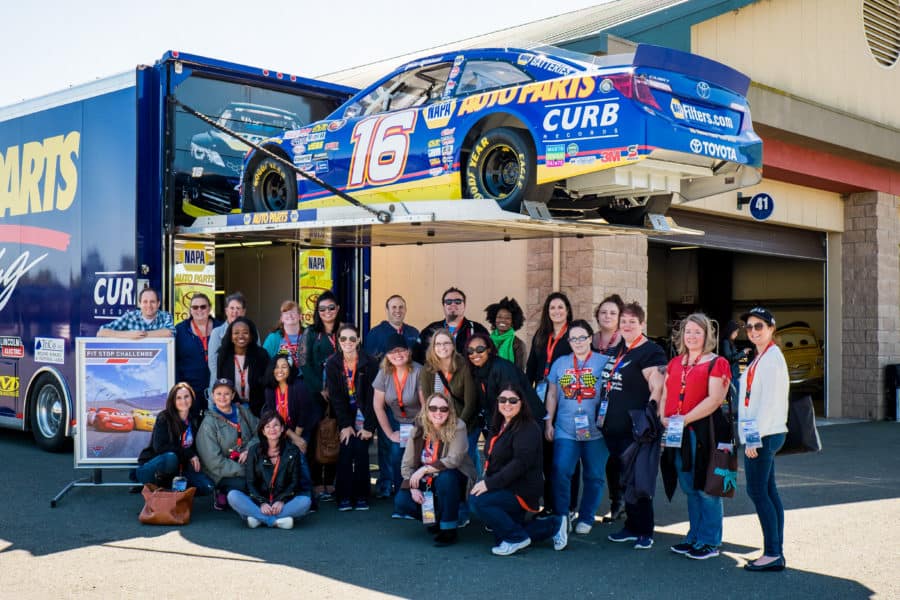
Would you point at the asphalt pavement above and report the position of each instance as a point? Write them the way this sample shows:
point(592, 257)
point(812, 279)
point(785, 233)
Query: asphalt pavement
point(842, 541)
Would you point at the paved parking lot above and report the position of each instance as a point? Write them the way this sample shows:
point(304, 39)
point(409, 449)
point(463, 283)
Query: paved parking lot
point(842, 530)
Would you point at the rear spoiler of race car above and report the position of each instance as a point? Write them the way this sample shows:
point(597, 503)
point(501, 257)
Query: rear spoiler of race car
point(691, 65)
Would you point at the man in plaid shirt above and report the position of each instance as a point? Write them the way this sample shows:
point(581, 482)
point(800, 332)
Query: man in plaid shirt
point(148, 321)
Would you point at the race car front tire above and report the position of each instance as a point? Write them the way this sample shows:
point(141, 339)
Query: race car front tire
point(502, 167)
point(269, 185)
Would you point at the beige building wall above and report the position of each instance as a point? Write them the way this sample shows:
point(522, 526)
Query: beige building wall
point(815, 49)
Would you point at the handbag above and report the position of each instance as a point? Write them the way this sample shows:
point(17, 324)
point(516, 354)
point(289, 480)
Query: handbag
point(802, 435)
point(328, 439)
point(721, 473)
point(166, 507)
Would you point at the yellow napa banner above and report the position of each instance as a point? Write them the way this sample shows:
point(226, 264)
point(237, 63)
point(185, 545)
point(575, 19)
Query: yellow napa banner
point(315, 278)
point(195, 271)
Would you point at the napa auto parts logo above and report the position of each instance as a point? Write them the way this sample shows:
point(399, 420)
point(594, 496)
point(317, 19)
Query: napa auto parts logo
point(35, 177)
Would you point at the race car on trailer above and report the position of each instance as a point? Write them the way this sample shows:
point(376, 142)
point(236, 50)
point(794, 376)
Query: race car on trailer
point(609, 136)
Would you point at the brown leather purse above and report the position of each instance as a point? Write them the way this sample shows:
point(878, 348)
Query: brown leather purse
point(166, 507)
point(328, 440)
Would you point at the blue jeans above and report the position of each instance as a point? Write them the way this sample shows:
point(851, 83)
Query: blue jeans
point(447, 488)
point(704, 511)
point(160, 470)
point(243, 505)
point(389, 456)
point(760, 472)
point(593, 455)
point(473, 449)
point(502, 512)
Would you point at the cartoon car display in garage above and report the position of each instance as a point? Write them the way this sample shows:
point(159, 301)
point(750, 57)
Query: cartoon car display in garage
point(608, 136)
point(113, 419)
point(144, 420)
point(804, 356)
point(217, 158)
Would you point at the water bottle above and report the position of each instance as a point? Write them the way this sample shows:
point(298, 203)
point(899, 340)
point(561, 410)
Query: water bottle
point(179, 484)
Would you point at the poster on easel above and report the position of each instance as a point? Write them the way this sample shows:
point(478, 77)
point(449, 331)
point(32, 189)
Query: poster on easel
point(121, 385)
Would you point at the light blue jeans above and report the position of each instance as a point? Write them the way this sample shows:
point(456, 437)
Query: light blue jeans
point(705, 512)
point(593, 455)
point(243, 505)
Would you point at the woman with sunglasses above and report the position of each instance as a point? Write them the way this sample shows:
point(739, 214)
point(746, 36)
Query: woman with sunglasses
point(762, 417)
point(696, 383)
point(491, 372)
point(349, 374)
point(506, 318)
point(396, 400)
point(573, 403)
point(320, 342)
point(446, 372)
point(550, 341)
point(513, 480)
point(436, 460)
point(278, 484)
point(192, 350)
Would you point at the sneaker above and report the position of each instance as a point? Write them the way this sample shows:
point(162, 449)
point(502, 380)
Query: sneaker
point(644, 542)
point(703, 552)
point(622, 536)
point(682, 548)
point(582, 528)
point(507, 548)
point(361, 505)
point(220, 501)
point(253, 522)
point(561, 538)
point(344, 506)
point(285, 523)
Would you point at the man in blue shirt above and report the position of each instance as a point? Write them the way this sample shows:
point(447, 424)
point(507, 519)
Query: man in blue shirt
point(378, 336)
point(146, 321)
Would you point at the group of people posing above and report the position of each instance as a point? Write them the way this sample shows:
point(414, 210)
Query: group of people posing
point(581, 412)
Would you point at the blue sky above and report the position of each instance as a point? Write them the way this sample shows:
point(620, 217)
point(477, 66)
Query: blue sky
point(52, 44)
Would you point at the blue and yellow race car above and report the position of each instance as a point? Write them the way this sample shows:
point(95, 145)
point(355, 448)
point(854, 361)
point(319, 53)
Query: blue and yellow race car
point(609, 136)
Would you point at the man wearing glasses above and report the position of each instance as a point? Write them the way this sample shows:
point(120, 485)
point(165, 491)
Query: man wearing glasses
point(192, 349)
point(453, 302)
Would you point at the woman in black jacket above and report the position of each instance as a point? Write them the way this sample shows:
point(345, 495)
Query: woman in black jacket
point(349, 374)
point(278, 482)
point(171, 451)
point(491, 373)
point(287, 395)
point(513, 480)
point(244, 361)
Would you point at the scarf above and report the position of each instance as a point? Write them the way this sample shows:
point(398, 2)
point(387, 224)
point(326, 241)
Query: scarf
point(504, 343)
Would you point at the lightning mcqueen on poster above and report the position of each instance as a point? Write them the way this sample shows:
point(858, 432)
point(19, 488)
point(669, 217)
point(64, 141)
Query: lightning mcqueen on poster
point(609, 136)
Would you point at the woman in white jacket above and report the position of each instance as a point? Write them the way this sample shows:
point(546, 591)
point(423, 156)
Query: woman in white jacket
point(762, 417)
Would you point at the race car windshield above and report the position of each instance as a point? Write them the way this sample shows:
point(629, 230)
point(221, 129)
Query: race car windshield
point(411, 88)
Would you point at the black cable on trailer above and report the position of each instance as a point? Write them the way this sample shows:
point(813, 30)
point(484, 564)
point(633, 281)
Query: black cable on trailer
point(383, 216)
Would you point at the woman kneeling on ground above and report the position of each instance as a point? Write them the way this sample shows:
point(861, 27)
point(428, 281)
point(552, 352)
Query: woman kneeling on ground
point(278, 482)
point(513, 480)
point(436, 460)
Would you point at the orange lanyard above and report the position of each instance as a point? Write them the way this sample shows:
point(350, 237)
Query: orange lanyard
point(613, 340)
point(751, 373)
point(551, 346)
point(685, 371)
point(578, 391)
point(399, 384)
point(236, 426)
point(277, 462)
point(204, 339)
point(242, 371)
point(281, 403)
point(619, 358)
point(350, 373)
point(487, 459)
point(292, 348)
point(433, 450)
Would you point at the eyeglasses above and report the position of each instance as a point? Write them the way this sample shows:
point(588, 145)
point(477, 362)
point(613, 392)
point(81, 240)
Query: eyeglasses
point(200, 307)
point(434, 408)
point(507, 400)
point(756, 326)
point(348, 338)
point(330, 307)
point(579, 338)
point(449, 301)
point(476, 350)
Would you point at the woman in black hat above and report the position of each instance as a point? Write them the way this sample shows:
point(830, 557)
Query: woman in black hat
point(396, 399)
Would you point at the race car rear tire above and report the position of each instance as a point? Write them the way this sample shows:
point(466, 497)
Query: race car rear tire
point(270, 185)
point(502, 167)
point(49, 413)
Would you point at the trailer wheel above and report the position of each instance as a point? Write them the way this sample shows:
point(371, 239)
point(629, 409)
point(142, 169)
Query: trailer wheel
point(49, 413)
point(502, 166)
point(271, 185)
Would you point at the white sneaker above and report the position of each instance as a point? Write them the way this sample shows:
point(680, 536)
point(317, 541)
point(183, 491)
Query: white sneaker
point(507, 548)
point(582, 528)
point(253, 522)
point(284, 523)
point(561, 538)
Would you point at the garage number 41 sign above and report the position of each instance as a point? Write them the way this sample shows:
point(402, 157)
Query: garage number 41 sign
point(761, 206)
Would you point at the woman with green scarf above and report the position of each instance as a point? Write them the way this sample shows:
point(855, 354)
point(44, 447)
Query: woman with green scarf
point(506, 317)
